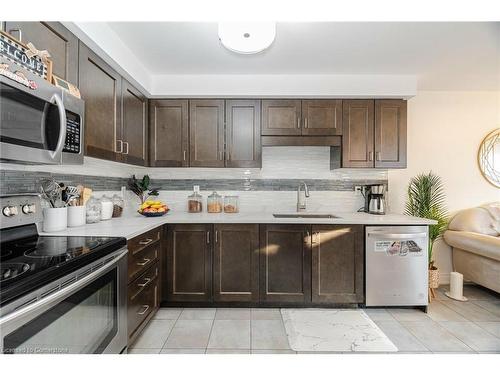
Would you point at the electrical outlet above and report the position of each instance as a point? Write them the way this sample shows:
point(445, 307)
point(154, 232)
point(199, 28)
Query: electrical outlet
point(358, 188)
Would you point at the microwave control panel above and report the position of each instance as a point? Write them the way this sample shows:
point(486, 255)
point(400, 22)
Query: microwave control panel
point(73, 123)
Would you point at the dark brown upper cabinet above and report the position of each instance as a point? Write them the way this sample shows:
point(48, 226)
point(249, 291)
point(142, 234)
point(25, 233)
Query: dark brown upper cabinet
point(337, 263)
point(243, 143)
point(168, 133)
point(206, 133)
point(358, 134)
point(134, 126)
point(189, 263)
point(53, 37)
point(281, 117)
point(285, 263)
point(236, 263)
point(321, 117)
point(390, 133)
point(100, 87)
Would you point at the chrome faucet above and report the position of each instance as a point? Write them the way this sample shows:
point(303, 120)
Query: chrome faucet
point(301, 201)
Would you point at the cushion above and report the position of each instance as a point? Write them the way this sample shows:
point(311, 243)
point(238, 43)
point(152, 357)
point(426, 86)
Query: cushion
point(477, 220)
point(480, 244)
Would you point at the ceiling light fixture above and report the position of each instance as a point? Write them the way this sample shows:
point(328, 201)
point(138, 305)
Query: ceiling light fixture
point(247, 37)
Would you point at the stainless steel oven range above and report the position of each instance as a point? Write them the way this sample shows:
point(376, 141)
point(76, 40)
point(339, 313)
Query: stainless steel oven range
point(39, 123)
point(59, 294)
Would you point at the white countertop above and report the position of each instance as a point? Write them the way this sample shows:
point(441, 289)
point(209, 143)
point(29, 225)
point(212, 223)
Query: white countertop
point(135, 224)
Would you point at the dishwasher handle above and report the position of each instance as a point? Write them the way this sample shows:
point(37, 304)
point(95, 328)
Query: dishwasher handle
point(398, 236)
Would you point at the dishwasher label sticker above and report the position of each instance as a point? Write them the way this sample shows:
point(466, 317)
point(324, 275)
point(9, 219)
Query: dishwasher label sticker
point(398, 248)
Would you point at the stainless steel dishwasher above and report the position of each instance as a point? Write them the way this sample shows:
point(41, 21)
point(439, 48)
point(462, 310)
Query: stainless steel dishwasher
point(396, 265)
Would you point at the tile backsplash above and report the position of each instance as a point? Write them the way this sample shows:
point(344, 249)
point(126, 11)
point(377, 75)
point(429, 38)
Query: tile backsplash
point(283, 168)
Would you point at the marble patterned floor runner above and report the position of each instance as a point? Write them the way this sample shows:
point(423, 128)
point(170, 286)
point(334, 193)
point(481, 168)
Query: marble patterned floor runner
point(334, 330)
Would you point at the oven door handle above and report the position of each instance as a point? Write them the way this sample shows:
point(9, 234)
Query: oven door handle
point(25, 314)
point(399, 236)
point(56, 99)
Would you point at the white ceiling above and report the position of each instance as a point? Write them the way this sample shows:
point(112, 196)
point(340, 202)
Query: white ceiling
point(443, 56)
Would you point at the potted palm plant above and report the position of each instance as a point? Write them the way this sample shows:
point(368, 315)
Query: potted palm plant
point(426, 198)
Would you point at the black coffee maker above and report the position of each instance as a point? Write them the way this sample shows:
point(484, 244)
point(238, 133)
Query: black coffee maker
point(374, 199)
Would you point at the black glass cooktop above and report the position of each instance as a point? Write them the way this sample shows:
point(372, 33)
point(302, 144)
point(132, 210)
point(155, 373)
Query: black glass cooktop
point(32, 261)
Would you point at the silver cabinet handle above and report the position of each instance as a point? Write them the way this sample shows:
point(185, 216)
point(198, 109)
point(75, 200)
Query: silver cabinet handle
point(298, 122)
point(208, 236)
point(126, 152)
point(307, 237)
point(147, 241)
point(146, 308)
point(146, 261)
point(315, 237)
point(377, 155)
point(184, 154)
point(370, 156)
point(305, 123)
point(18, 31)
point(216, 236)
point(147, 281)
point(120, 142)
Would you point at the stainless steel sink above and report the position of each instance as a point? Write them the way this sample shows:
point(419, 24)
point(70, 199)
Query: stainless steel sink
point(304, 215)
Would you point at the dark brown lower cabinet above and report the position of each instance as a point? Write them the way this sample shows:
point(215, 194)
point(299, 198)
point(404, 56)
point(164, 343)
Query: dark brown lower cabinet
point(337, 263)
point(189, 263)
point(236, 263)
point(285, 263)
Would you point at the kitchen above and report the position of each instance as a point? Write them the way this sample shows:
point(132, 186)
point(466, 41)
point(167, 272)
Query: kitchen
point(153, 204)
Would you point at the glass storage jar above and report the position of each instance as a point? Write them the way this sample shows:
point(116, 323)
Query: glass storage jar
point(214, 203)
point(118, 204)
point(195, 201)
point(231, 204)
point(93, 211)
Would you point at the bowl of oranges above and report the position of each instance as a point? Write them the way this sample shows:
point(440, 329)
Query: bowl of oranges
point(153, 208)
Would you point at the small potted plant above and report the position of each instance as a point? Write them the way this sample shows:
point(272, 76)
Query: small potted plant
point(141, 188)
point(426, 199)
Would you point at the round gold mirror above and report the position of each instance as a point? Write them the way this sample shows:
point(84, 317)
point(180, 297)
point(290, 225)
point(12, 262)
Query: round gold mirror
point(489, 157)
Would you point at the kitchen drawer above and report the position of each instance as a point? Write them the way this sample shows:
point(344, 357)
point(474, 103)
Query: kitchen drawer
point(142, 298)
point(139, 243)
point(138, 262)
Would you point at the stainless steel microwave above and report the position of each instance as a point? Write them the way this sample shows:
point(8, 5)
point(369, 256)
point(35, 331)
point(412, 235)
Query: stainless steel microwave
point(39, 123)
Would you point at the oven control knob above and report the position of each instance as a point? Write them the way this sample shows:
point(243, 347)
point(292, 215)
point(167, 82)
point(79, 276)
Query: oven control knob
point(28, 209)
point(9, 211)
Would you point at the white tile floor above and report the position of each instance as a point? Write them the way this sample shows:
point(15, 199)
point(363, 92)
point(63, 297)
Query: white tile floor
point(449, 327)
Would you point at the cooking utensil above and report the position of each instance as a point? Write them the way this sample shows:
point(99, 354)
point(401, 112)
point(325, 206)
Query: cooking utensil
point(71, 193)
point(85, 196)
point(51, 191)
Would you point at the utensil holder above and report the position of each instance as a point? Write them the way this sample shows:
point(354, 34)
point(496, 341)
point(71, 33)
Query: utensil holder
point(76, 216)
point(55, 219)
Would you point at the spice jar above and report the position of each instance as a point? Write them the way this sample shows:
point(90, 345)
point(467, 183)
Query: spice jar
point(93, 211)
point(117, 205)
point(231, 204)
point(195, 201)
point(214, 203)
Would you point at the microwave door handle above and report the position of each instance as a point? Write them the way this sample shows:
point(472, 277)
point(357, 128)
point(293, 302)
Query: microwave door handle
point(62, 124)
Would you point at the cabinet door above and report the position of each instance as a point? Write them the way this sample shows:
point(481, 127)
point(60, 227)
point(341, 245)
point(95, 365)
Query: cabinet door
point(100, 87)
point(168, 133)
point(243, 134)
point(189, 263)
point(53, 37)
point(236, 263)
point(322, 117)
point(390, 133)
point(337, 264)
point(281, 117)
point(133, 125)
point(206, 133)
point(358, 128)
point(285, 263)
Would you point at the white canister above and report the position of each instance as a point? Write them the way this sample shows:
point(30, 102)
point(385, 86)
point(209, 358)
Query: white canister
point(76, 216)
point(106, 209)
point(55, 219)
